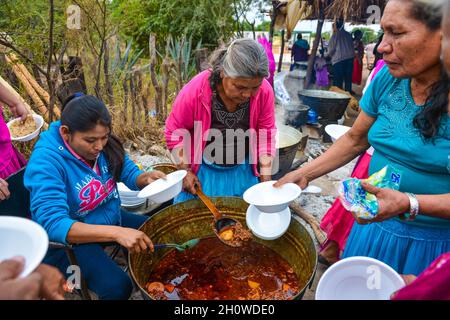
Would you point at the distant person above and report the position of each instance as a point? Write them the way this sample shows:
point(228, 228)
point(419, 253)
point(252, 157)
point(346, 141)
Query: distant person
point(341, 52)
point(72, 177)
point(11, 160)
point(272, 64)
point(359, 56)
point(299, 51)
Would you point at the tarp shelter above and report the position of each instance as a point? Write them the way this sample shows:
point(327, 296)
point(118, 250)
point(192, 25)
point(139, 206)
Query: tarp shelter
point(287, 13)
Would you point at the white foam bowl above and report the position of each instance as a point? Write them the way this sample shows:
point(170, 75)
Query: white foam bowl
point(39, 123)
point(163, 190)
point(132, 201)
point(358, 278)
point(132, 206)
point(22, 237)
point(335, 131)
point(268, 226)
point(268, 199)
point(125, 191)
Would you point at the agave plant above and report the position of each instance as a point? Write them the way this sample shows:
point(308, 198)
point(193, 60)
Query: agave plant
point(122, 66)
point(183, 58)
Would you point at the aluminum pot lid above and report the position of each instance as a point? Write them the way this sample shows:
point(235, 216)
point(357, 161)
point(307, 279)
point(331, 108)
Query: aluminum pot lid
point(322, 94)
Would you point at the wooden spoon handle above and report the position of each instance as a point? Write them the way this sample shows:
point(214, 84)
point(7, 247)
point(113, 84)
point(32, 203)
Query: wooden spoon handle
point(209, 204)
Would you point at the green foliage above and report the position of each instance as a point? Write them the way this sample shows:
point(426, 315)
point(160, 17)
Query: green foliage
point(122, 66)
point(264, 26)
point(26, 22)
point(181, 50)
point(208, 21)
point(369, 36)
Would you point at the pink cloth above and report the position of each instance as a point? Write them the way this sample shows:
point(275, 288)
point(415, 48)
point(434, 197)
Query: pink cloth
point(191, 119)
point(432, 284)
point(272, 64)
point(338, 222)
point(380, 64)
point(11, 160)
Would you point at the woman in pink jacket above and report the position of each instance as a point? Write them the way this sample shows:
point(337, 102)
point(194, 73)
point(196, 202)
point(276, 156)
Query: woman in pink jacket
point(11, 160)
point(222, 125)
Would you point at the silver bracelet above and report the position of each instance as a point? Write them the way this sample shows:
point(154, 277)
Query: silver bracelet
point(413, 206)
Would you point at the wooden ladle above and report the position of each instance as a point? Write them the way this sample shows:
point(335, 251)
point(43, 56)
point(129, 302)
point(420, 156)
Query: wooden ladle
point(221, 224)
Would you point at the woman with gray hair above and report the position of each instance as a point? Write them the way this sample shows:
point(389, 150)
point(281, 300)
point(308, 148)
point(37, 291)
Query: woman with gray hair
point(405, 118)
point(222, 125)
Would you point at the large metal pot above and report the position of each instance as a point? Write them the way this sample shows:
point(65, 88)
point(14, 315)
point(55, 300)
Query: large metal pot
point(296, 114)
point(288, 141)
point(184, 221)
point(328, 105)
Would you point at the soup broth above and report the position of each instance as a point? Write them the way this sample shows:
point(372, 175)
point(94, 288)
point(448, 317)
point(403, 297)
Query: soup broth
point(215, 271)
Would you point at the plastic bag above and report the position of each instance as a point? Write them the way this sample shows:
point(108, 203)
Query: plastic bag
point(357, 200)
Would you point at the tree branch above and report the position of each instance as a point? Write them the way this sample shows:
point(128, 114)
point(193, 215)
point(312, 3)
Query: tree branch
point(13, 48)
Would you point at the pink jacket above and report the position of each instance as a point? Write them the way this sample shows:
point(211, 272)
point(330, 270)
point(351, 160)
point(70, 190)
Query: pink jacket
point(190, 121)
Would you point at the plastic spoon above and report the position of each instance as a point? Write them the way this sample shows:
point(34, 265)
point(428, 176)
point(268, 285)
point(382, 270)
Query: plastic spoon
point(312, 189)
point(180, 247)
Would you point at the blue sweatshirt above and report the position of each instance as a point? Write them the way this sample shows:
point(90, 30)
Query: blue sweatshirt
point(65, 190)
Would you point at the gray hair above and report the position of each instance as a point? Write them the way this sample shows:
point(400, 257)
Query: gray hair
point(429, 12)
point(244, 58)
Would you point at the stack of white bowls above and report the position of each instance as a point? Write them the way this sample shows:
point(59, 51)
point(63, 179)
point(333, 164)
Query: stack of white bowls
point(128, 198)
point(268, 215)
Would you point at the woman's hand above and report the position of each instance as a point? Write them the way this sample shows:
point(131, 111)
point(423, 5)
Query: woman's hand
point(14, 288)
point(293, 177)
point(133, 240)
point(52, 282)
point(4, 191)
point(265, 178)
point(146, 178)
point(191, 182)
point(408, 279)
point(391, 203)
point(19, 110)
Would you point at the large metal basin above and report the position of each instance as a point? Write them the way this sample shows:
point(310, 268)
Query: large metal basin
point(181, 222)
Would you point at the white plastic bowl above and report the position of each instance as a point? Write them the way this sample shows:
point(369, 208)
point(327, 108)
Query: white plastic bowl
point(268, 199)
point(39, 123)
point(358, 278)
point(268, 226)
point(22, 237)
point(335, 131)
point(163, 190)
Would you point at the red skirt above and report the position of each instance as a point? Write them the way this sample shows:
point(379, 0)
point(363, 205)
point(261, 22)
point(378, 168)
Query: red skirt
point(338, 222)
point(357, 72)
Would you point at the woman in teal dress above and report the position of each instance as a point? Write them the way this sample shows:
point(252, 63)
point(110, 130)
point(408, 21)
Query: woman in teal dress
point(405, 117)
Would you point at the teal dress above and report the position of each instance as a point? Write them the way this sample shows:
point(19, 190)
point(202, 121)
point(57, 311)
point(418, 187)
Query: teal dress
point(408, 247)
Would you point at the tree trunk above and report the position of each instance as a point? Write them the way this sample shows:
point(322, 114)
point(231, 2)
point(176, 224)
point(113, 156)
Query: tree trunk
point(51, 89)
point(143, 101)
point(133, 100)
point(272, 20)
point(98, 72)
point(37, 75)
point(280, 62)
point(154, 78)
point(125, 100)
point(165, 69)
point(41, 107)
point(109, 88)
point(312, 57)
point(140, 95)
point(12, 60)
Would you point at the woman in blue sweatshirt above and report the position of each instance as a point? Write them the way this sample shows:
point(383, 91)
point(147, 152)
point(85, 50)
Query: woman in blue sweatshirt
point(72, 176)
